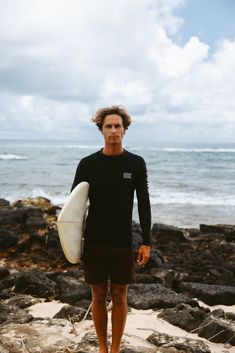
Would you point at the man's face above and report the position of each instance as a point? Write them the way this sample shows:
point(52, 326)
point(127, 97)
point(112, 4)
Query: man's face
point(113, 129)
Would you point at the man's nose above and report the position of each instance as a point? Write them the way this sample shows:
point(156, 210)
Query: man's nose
point(113, 129)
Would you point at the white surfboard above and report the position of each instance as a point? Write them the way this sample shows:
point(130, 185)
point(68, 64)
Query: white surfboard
point(70, 222)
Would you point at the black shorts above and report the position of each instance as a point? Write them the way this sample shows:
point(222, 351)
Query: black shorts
point(102, 263)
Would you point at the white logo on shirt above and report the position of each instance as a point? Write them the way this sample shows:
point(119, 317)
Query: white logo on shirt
point(127, 175)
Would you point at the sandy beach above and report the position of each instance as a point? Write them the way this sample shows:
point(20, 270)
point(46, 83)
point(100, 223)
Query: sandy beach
point(140, 324)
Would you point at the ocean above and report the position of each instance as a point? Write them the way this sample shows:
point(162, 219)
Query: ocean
point(189, 184)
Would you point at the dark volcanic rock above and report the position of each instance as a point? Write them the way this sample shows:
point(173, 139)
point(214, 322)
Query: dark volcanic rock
point(4, 203)
point(163, 276)
point(155, 260)
point(184, 345)
point(145, 278)
point(166, 233)
point(227, 230)
point(9, 313)
point(72, 313)
point(185, 317)
point(7, 239)
point(129, 349)
point(26, 217)
point(4, 272)
point(155, 296)
point(72, 290)
point(210, 294)
point(217, 329)
point(22, 301)
point(36, 283)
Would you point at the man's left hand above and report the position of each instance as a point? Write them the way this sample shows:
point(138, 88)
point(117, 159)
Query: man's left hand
point(143, 255)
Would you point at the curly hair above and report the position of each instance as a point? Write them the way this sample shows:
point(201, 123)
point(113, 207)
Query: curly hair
point(100, 115)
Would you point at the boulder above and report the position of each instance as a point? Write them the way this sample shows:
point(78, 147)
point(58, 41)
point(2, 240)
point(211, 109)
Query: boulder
point(155, 296)
point(218, 329)
point(227, 230)
point(9, 313)
point(185, 317)
point(72, 313)
point(209, 294)
point(4, 203)
point(36, 283)
point(180, 344)
point(72, 290)
point(7, 239)
point(165, 233)
point(4, 272)
point(38, 202)
point(29, 218)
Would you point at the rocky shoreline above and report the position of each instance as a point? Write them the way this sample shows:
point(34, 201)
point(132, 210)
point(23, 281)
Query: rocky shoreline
point(188, 267)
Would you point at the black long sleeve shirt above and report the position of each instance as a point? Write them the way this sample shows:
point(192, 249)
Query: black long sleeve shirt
point(113, 181)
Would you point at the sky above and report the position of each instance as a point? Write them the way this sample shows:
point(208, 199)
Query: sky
point(171, 63)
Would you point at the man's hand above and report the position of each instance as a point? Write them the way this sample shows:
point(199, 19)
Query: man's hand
point(143, 255)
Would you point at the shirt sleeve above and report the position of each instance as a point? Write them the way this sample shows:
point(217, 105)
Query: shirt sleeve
point(144, 208)
point(81, 174)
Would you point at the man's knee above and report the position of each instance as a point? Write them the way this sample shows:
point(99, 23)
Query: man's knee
point(99, 292)
point(119, 293)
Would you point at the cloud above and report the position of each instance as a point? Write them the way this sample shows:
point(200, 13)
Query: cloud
point(60, 61)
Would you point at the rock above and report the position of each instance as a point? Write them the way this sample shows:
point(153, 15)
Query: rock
point(52, 239)
point(217, 329)
point(185, 317)
point(165, 233)
point(89, 343)
point(181, 344)
point(4, 272)
point(145, 278)
point(155, 296)
point(10, 280)
point(163, 276)
point(129, 349)
point(37, 284)
point(83, 303)
point(9, 313)
point(39, 202)
point(22, 301)
point(72, 313)
point(155, 260)
point(7, 239)
point(71, 290)
point(25, 217)
point(227, 230)
point(2, 349)
point(210, 294)
point(4, 203)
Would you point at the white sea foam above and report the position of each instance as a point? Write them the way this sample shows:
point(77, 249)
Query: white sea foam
point(199, 150)
point(12, 157)
point(197, 199)
point(58, 199)
point(80, 146)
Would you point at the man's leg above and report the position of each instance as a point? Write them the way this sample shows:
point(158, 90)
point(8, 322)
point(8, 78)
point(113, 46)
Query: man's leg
point(119, 314)
point(99, 314)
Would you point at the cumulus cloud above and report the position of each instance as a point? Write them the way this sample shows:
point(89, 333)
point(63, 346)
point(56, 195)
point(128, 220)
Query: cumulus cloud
point(61, 60)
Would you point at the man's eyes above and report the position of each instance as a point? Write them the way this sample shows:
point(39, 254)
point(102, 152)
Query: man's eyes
point(117, 126)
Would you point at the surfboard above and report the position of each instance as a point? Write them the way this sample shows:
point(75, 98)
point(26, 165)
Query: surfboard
point(70, 222)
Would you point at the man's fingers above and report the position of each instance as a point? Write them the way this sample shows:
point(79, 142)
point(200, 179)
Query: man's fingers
point(143, 261)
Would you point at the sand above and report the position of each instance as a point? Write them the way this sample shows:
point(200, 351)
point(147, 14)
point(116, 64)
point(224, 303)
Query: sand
point(140, 324)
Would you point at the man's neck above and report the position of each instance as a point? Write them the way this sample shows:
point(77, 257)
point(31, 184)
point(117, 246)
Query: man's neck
point(113, 150)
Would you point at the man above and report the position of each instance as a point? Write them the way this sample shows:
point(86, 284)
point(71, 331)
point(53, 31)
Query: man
point(113, 174)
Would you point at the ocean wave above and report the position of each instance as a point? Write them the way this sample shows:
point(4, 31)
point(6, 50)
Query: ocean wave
point(194, 199)
point(7, 156)
point(198, 150)
point(58, 199)
point(156, 198)
point(80, 146)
